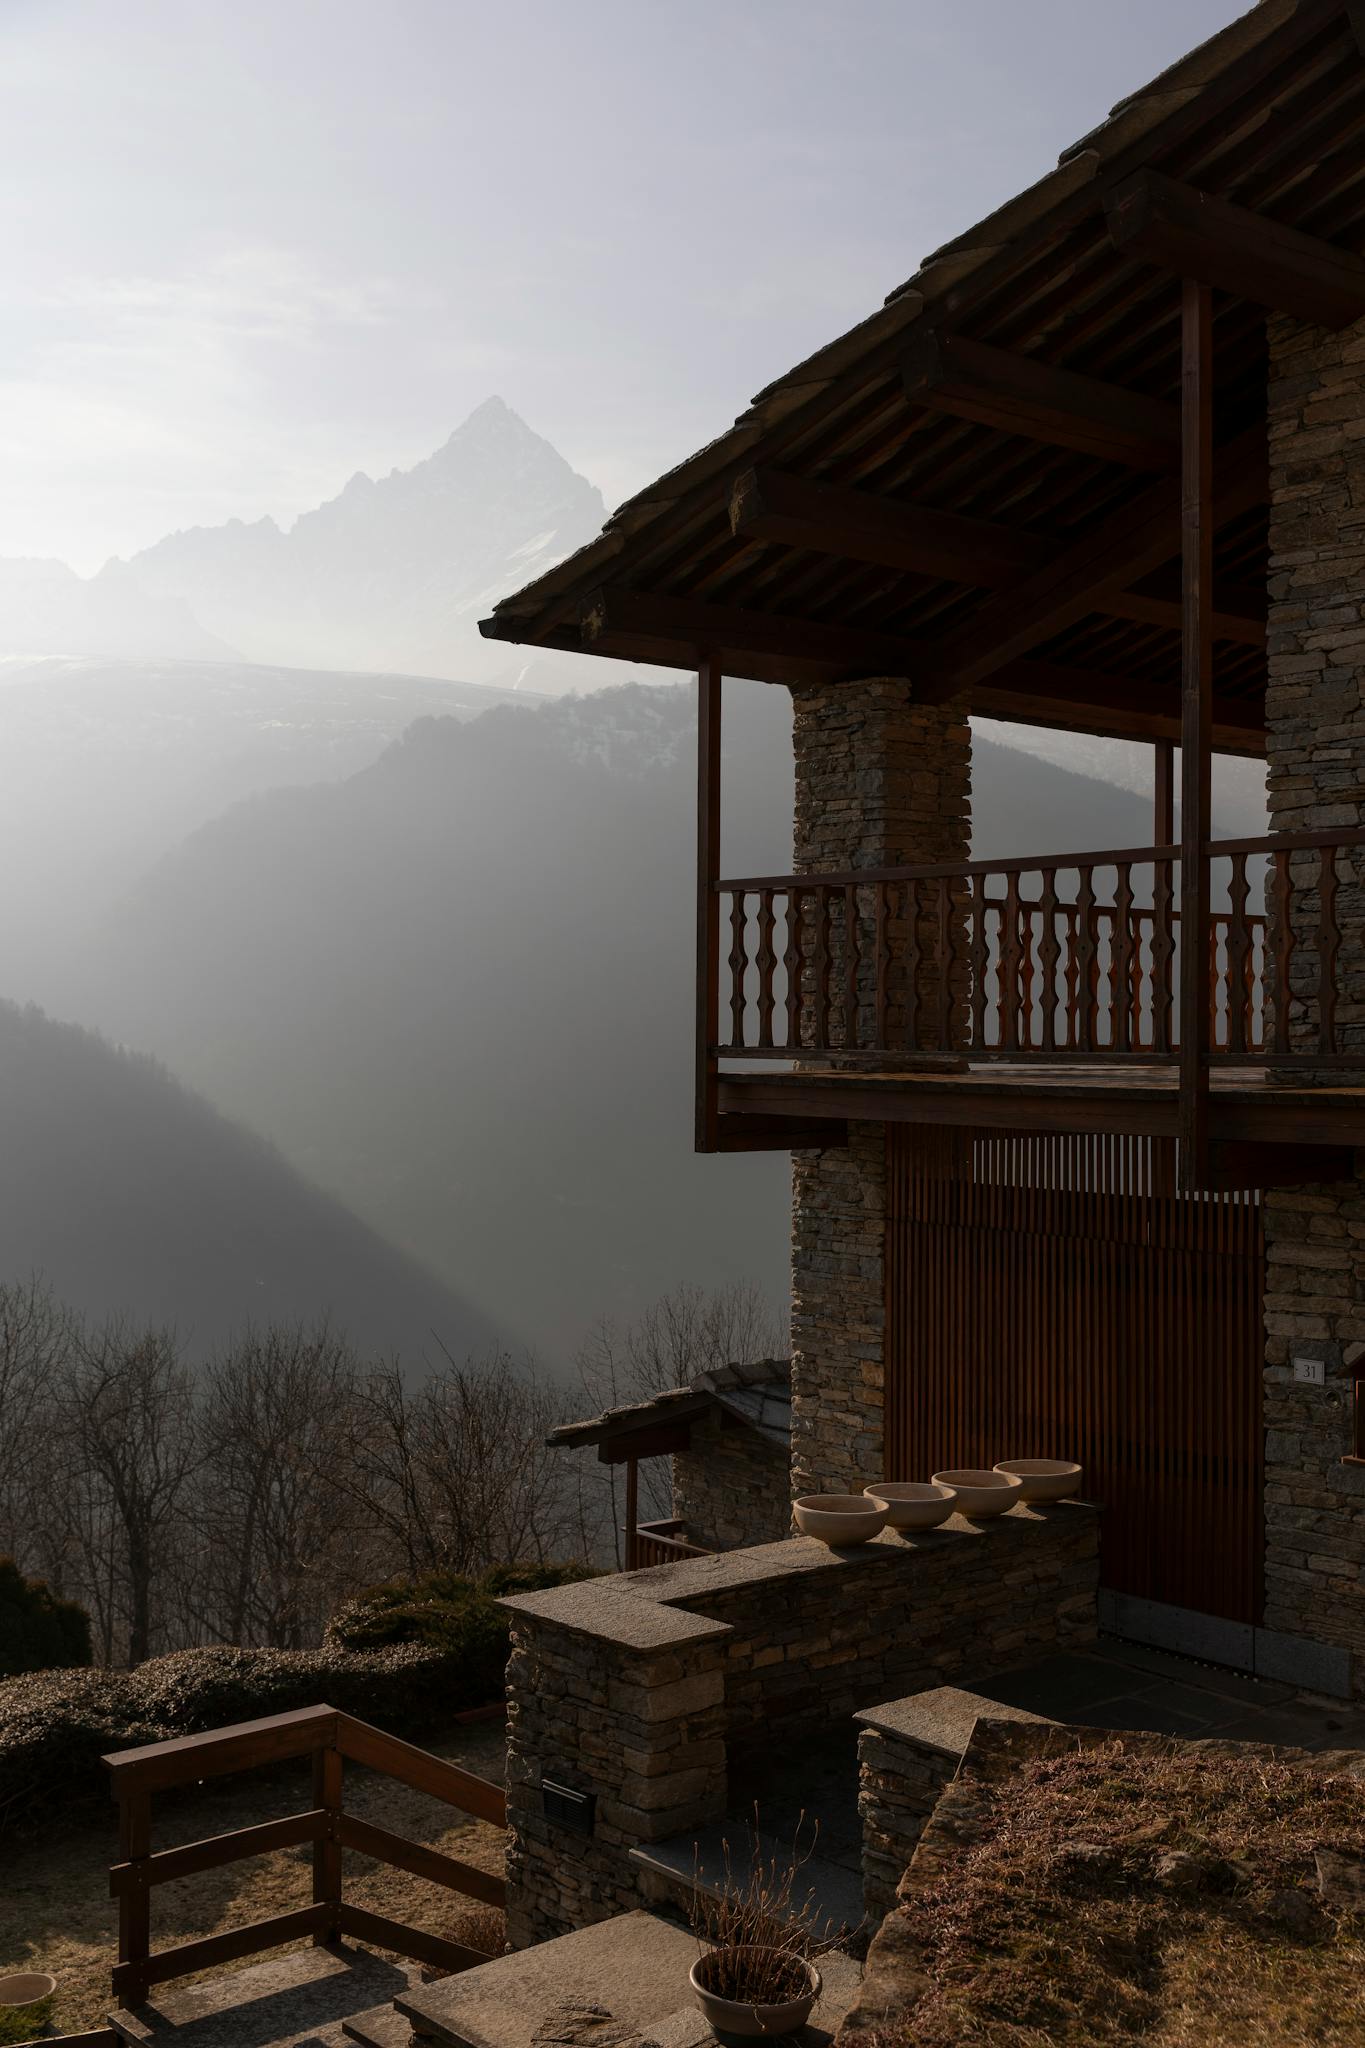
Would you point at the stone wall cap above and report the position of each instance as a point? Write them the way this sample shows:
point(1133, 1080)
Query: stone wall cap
point(602, 1609)
point(943, 1718)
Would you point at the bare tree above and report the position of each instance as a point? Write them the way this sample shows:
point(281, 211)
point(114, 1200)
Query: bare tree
point(37, 1336)
point(125, 1415)
point(277, 1546)
point(457, 1472)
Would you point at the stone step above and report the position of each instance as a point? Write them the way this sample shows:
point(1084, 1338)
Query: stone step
point(305, 1995)
point(672, 1872)
point(383, 2026)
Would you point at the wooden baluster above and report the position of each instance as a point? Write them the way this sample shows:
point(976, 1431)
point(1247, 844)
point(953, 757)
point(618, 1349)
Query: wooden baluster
point(1281, 941)
point(1049, 952)
point(1026, 974)
point(914, 968)
point(1255, 986)
point(794, 963)
point(1163, 957)
point(1121, 960)
point(1238, 958)
point(882, 961)
point(1329, 941)
point(823, 964)
point(135, 1900)
point(946, 951)
point(1214, 975)
point(1087, 962)
point(739, 961)
point(852, 950)
point(767, 967)
point(1009, 965)
point(979, 956)
point(1072, 1036)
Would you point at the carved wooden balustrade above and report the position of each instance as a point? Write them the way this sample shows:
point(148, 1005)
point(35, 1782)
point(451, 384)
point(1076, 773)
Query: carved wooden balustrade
point(1068, 958)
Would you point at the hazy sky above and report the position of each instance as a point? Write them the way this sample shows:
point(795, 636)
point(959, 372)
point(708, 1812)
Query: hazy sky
point(250, 246)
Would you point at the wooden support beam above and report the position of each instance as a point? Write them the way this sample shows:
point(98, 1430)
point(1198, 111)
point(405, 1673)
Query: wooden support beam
point(1163, 793)
point(858, 526)
point(1130, 544)
point(1196, 690)
point(708, 901)
point(776, 648)
point(1020, 395)
point(773, 505)
point(1113, 707)
point(780, 1134)
point(1214, 242)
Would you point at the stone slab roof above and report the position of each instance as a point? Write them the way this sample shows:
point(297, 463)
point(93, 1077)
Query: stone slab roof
point(757, 1393)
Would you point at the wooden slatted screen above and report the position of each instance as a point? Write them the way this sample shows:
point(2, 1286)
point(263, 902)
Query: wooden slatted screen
point(1055, 1296)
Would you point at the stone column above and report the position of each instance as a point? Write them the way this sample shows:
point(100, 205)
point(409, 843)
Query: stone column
point(880, 782)
point(1315, 735)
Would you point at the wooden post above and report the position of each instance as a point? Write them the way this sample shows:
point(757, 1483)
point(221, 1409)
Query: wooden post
point(632, 1513)
point(135, 1900)
point(328, 1765)
point(1163, 793)
point(1196, 703)
point(708, 902)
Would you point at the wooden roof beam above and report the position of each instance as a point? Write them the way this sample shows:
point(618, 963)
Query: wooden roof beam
point(1214, 242)
point(774, 505)
point(1020, 395)
point(766, 645)
point(1113, 707)
point(1131, 543)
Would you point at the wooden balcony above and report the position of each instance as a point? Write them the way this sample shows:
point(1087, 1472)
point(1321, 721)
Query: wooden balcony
point(1046, 992)
point(650, 1543)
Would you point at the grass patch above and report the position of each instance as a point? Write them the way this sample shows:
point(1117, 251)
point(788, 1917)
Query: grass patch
point(1111, 1896)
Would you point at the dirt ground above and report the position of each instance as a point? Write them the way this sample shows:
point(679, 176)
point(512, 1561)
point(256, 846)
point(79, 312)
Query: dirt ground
point(56, 1913)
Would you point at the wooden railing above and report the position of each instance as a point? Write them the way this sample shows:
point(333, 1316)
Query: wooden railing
point(1068, 957)
point(330, 1738)
point(658, 1543)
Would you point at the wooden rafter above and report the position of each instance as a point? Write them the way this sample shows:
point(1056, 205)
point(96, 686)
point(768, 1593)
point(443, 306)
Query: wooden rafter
point(1200, 236)
point(1122, 549)
point(1116, 707)
point(1019, 395)
point(773, 505)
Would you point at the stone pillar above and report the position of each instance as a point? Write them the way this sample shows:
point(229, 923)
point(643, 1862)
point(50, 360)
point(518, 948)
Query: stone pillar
point(880, 782)
point(1315, 744)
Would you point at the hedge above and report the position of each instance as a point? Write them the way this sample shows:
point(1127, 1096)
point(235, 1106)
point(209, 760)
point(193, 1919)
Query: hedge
point(38, 1632)
point(407, 1656)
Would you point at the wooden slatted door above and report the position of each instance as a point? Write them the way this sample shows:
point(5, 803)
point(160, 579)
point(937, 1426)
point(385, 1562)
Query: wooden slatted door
point(1055, 1296)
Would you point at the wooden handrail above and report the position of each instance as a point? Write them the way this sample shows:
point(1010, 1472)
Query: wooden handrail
point(331, 1738)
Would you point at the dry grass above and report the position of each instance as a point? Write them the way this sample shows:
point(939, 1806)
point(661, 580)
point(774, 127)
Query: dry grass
point(1069, 1926)
point(56, 1913)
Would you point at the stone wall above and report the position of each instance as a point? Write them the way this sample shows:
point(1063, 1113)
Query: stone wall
point(732, 1486)
point(908, 1750)
point(648, 1688)
point(1315, 732)
point(1315, 1503)
point(880, 781)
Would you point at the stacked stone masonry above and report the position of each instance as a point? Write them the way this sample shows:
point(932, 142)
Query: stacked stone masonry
point(1315, 733)
point(731, 1486)
point(648, 1689)
point(881, 781)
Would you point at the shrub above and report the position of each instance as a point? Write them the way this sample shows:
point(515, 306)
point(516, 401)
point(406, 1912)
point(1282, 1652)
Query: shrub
point(447, 1612)
point(38, 1632)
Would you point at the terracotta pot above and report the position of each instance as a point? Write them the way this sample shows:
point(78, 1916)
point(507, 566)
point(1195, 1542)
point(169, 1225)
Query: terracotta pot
point(839, 1518)
point(914, 1503)
point(981, 1494)
point(1043, 1478)
point(730, 2016)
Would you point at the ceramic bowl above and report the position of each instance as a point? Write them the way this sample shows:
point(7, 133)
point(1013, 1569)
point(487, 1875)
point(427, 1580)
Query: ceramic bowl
point(1043, 1478)
point(981, 1494)
point(25, 2004)
point(839, 1517)
point(913, 1503)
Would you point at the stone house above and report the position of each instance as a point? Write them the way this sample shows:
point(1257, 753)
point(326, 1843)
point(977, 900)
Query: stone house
point(1074, 1133)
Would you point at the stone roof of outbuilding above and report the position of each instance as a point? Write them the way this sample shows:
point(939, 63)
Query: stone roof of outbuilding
point(757, 1393)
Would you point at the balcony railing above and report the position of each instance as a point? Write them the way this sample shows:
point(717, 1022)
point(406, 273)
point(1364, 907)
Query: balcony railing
point(658, 1543)
point(1068, 958)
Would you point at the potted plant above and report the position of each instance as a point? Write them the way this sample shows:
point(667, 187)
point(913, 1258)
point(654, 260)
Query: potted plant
point(759, 1940)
